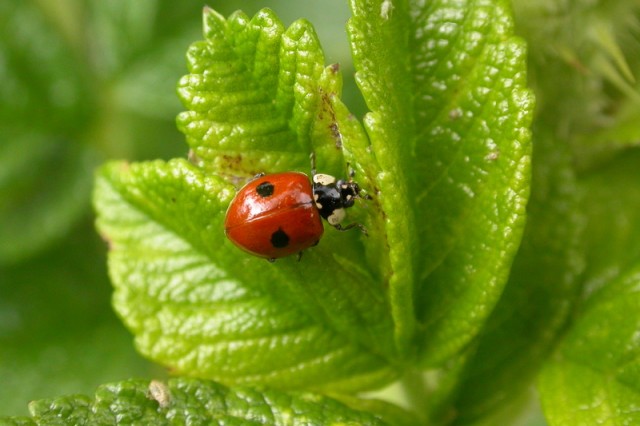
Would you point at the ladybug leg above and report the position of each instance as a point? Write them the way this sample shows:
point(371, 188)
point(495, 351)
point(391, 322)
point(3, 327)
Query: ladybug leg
point(259, 175)
point(351, 172)
point(299, 255)
point(360, 226)
point(312, 157)
point(271, 259)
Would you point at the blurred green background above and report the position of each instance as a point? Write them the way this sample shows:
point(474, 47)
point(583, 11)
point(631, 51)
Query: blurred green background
point(81, 82)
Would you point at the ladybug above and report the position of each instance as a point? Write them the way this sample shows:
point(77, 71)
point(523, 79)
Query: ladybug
point(279, 214)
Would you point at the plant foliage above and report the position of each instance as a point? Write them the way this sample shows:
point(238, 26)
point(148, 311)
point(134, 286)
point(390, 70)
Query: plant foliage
point(496, 257)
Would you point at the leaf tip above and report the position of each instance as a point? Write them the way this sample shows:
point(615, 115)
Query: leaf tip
point(212, 22)
point(302, 29)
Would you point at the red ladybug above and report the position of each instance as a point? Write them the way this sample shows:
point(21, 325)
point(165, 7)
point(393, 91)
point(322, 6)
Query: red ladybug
point(277, 215)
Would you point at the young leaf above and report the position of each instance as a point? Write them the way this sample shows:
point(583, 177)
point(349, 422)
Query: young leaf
point(446, 85)
point(261, 100)
point(196, 308)
point(251, 93)
point(189, 401)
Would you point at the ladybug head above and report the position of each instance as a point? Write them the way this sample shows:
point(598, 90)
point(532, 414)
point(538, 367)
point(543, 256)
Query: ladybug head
point(349, 191)
point(333, 196)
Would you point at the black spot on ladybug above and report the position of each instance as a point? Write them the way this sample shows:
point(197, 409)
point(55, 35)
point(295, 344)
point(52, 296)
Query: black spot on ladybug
point(265, 189)
point(279, 239)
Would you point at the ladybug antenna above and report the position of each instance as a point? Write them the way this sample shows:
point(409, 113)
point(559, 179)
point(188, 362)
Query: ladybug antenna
point(360, 226)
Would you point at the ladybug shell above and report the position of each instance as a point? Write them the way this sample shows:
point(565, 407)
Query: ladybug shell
point(274, 216)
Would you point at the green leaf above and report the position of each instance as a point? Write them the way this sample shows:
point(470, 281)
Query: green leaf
point(450, 111)
point(241, 119)
point(260, 99)
point(189, 401)
point(250, 93)
point(545, 281)
point(579, 228)
point(594, 377)
point(195, 307)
